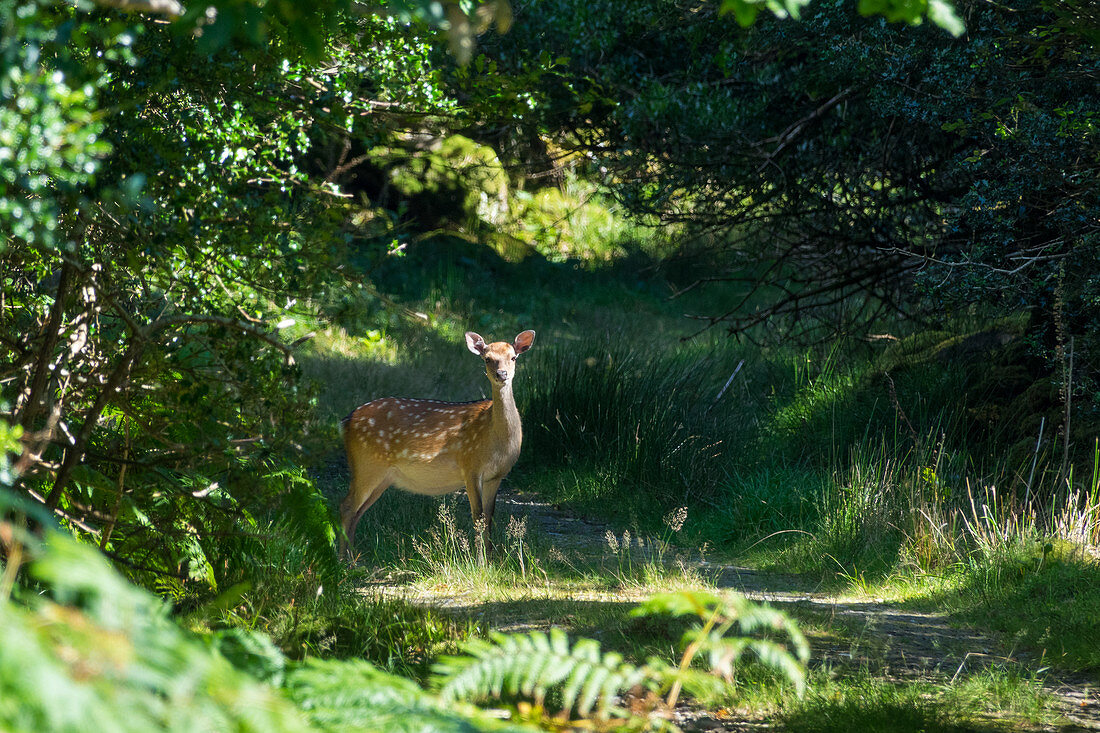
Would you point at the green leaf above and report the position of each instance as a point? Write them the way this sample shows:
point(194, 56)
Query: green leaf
point(684, 603)
point(942, 13)
point(744, 11)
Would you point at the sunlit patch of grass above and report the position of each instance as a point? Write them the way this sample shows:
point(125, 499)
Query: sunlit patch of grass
point(1004, 691)
point(450, 559)
point(1049, 599)
point(349, 380)
point(652, 563)
point(997, 699)
point(446, 560)
point(909, 587)
point(307, 619)
point(373, 345)
point(866, 703)
point(431, 546)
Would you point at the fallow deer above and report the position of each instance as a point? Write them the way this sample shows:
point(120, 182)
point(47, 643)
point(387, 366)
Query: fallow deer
point(432, 447)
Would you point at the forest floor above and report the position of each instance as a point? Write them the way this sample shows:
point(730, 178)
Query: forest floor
point(850, 635)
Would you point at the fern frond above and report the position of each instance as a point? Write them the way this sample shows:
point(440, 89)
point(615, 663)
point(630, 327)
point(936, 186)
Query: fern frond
point(751, 617)
point(536, 664)
point(777, 642)
point(302, 515)
point(354, 695)
point(725, 653)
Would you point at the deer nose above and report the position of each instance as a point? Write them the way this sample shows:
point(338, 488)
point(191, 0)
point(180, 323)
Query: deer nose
point(502, 374)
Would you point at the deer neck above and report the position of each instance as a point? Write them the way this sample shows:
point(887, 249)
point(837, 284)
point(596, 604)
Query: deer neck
point(505, 415)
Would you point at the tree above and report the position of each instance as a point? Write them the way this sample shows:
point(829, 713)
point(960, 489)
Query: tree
point(838, 167)
point(167, 215)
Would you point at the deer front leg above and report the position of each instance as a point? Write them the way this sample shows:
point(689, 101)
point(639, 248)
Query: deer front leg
point(488, 502)
point(476, 493)
point(488, 507)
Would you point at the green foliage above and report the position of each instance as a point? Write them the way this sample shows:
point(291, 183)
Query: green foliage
point(458, 182)
point(841, 167)
point(638, 416)
point(746, 10)
point(252, 653)
point(355, 695)
point(153, 268)
point(531, 665)
point(940, 12)
point(50, 133)
point(581, 678)
point(97, 652)
point(718, 616)
point(83, 648)
point(305, 527)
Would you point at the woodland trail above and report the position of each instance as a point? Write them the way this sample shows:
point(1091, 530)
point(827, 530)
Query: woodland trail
point(885, 640)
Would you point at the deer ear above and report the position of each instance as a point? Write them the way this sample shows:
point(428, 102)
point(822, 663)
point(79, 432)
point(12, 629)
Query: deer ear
point(523, 342)
point(475, 343)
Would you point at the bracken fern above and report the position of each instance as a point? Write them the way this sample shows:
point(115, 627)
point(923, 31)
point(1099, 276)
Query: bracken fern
point(536, 664)
point(786, 654)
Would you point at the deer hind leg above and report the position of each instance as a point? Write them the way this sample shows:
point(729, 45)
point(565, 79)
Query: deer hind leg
point(368, 483)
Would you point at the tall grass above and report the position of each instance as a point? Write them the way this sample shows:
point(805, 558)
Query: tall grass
point(857, 474)
point(863, 702)
point(448, 555)
point(627, 427)
point(935, 509)
point(927, 523)
point(868, 461)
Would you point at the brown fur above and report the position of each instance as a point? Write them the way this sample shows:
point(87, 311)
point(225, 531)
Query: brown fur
point(430, 447)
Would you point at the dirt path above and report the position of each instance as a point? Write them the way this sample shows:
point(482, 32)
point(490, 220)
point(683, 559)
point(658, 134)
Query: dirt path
point(888, 641)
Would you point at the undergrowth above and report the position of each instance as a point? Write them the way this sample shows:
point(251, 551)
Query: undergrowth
point(867, 464)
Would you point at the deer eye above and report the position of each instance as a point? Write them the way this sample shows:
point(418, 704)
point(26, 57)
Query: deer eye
point(513, 358)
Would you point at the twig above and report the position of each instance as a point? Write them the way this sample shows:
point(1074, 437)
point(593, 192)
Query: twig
point(1026, 259)
point(1069, 403)
point(893, 394)
point(1034, 461)
point(723, 390)
point(782, 531)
